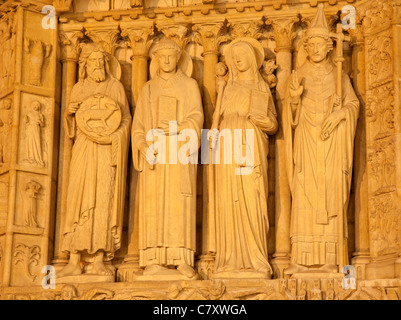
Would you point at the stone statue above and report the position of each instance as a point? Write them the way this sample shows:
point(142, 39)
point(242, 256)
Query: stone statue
point(7, 52)
point(5, 127)
point(32, 189)
point(37, 51)
point(241, 188)
point(34, 121)
point(319, 126)
point(166, 196)
point(98, 119)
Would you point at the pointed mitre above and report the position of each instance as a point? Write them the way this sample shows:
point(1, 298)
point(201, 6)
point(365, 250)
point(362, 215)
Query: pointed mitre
point(319, 26)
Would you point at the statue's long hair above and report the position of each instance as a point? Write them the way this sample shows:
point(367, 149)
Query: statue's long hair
point(86, 50)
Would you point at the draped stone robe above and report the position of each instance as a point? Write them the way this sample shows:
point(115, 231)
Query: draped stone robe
point(35, 120)
point(97, 178)
point(242, 223)
point(321, 170)
point(167, 192)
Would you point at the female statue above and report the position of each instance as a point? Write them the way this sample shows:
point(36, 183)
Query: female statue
point(240, 200)
point(34, 121)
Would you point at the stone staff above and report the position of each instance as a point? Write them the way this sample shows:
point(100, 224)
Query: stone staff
point(221, 71)
point(339, 37)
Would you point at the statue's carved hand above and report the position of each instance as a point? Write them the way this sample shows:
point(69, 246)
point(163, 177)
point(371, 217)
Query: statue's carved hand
point(169, 130)
point(296, 89)
point(73, 108)
point(149, 153)
point(331, 122)
point(214, 134)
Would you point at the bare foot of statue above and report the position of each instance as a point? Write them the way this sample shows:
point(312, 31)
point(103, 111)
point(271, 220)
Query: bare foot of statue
point(330, 268)
point(186, 270)
point(294, 268)
point(98, 267)
point(73, 267)
point(154, 269)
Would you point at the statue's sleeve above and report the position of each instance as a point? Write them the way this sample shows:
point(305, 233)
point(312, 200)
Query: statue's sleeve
point(290, 119)
point(120, 138)
point(351, 106)
point(194, 112)
point(120, 145)
point(69, 120)
point(138, 135)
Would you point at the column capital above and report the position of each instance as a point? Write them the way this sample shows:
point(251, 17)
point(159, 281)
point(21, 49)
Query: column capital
point(140, 38)
point(62, 5)
point(107, 36)
point(178, 33)
point(252, 29)
point(210, 36)
point(283, 32)
point(69, 43)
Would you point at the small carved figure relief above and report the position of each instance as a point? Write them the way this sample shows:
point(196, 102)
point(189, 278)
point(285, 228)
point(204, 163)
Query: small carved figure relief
point(5, 128)
point(239, 199)
point(34, 122)
point(98, 120)
point(32, 189)
point(37, 52)
point(167, 189)
point(320, 116)
point(7, 51)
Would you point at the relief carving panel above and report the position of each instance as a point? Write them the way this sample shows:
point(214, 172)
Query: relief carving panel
point(34, 131)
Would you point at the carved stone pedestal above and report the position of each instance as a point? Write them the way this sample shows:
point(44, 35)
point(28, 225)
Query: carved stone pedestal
point(165, 277)
point(240, 275)
point(85, 278)
point(359, 261)
point(279, 263)
point(128, 271)
point(311, 275)
point(382, 267)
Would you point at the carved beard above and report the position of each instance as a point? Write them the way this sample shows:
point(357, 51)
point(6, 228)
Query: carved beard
point(98, 75)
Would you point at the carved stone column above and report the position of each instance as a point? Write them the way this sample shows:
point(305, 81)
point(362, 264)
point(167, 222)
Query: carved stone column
point(209, 36)
point(361, 255)
point(283, 33)
point(396, 29)
point(69, 43)
point(140, 39)
point(26, 240)
point(382, 138)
